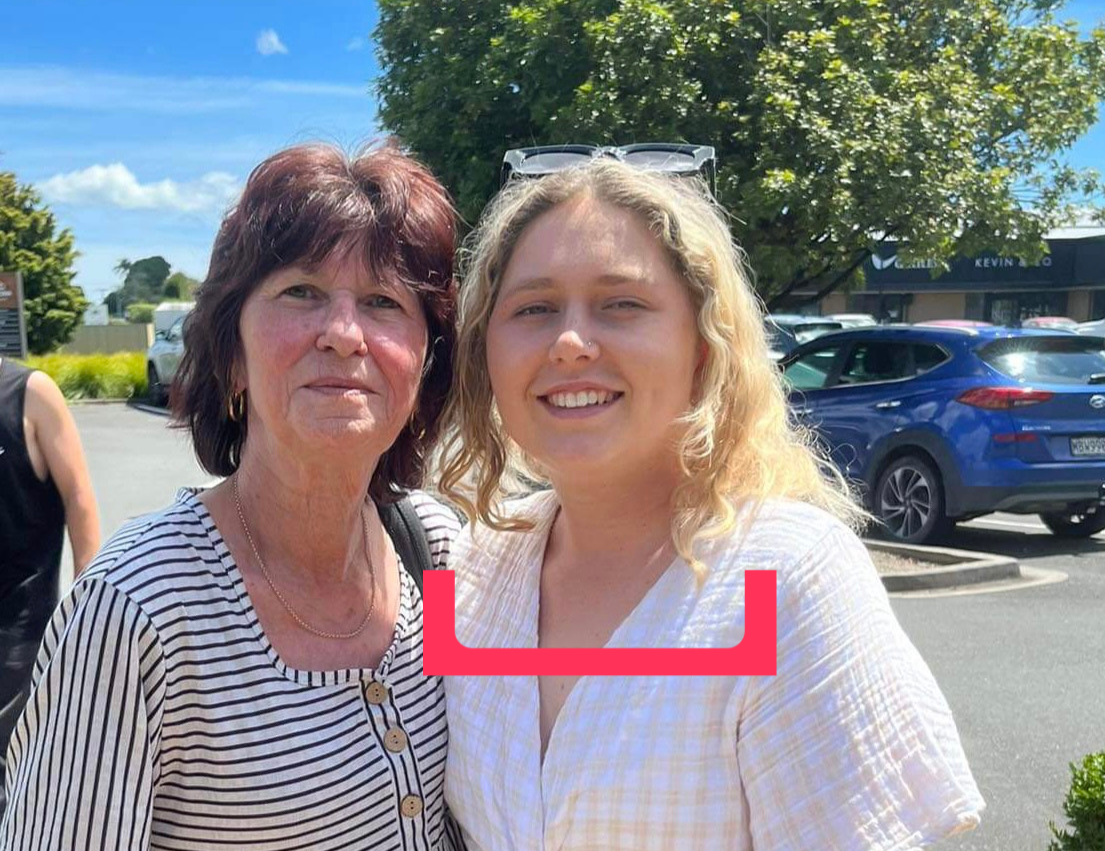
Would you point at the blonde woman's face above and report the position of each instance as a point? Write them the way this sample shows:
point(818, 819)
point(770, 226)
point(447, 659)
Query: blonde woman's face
point(592, 344)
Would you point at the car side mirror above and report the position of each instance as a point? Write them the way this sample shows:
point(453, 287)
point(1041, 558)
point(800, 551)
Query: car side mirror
point(161, 335)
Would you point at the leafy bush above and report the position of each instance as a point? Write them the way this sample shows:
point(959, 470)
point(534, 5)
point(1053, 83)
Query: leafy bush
point(1084, 808)
point(117, 376)
point(140, 312)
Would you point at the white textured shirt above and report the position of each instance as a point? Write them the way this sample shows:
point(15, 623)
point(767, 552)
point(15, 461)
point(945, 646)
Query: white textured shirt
point(850, 746)
point(162, 717)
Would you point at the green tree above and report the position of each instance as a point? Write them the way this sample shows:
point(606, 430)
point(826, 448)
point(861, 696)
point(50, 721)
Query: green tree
point(179, 287)
point(941, 124)
point(30, 243)
point(143, 282)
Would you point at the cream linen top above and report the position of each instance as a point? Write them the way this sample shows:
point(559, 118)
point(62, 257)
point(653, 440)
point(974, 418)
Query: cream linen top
point(850, 746)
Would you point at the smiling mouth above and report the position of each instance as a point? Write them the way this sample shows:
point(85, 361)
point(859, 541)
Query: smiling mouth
point(581, 399)
point(338, 389)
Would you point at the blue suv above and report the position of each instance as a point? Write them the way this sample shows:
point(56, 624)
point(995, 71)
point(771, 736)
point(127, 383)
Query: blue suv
point(942, 424)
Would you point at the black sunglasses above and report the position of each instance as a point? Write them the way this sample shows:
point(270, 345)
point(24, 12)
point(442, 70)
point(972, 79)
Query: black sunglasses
point(667, 157)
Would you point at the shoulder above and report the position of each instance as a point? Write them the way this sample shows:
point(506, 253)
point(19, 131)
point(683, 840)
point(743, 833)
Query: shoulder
point(158, 554)
point(43, 397)
point(440, 523)
point(806, 546)
point(482, 551)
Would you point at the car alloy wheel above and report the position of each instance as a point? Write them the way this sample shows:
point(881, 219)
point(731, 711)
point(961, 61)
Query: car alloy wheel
point(909, 502)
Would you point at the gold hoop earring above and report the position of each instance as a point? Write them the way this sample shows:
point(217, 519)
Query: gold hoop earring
point(236, 406)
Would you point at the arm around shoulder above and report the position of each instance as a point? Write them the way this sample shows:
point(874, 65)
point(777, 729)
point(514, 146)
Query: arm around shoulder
point(56, 437)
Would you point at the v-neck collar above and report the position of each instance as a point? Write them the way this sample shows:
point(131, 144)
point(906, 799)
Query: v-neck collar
point(625, 634)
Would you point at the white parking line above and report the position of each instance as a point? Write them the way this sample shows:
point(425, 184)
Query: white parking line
point(1011, 524)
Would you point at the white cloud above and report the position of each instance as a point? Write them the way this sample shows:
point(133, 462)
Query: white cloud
point(357, 43)
point(38, 87)
point(268, 43)
point(115, 185)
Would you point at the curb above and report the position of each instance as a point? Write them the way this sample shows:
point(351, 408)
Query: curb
point(964, 567)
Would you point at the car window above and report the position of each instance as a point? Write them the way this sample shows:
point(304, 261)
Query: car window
point(926, 357)
point(876, 360)
point(1049, 360)
point(811, 371)
point(176, 329)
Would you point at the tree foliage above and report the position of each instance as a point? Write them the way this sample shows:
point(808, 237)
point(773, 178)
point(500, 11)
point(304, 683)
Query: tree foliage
point(940, 124)
point(143, 282)
point(31, 244)
point(179, 287)
point(1084, 808)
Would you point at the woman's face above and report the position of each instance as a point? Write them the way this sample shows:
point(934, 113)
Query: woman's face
point(331, 358)
point(592, 344)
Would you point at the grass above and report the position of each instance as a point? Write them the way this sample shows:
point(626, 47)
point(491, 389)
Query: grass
point(116, 376)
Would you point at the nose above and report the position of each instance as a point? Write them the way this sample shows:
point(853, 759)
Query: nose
point(342, 332)
point(574, 341)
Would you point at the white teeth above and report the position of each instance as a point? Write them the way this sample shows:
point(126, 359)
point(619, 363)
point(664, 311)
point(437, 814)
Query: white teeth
point(581, 399)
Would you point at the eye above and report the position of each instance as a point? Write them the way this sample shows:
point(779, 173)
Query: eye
point(533, 310)
point(625, 304)
point(383, 301)
point(298, 291)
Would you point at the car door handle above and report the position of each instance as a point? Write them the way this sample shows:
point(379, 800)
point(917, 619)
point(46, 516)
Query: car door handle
point(885, 406)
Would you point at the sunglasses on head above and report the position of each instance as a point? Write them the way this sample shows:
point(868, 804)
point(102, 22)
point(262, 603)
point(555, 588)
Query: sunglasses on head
point(667, 157)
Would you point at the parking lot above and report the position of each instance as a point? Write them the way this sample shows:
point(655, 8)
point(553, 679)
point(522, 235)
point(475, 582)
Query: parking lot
point(1021, 667)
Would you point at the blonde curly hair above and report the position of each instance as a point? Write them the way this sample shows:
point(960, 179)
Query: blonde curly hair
point(739, 444)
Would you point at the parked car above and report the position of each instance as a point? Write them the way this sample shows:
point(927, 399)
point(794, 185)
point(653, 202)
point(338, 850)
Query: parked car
point(785, 332)
point(954, 323)
point(1096, 328)
point(162, 360)
point(1057, 323)
point(854, 320)
point(943, 424)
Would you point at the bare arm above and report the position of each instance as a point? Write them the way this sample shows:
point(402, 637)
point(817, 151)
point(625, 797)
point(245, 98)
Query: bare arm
point(55, 435)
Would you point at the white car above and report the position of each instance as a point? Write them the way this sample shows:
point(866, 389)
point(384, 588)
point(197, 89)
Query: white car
point(162, 361)
point(854, 320)
point(1092, 329)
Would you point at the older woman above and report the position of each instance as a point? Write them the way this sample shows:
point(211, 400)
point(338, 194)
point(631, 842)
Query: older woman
point(610, 340)
point(243, 669)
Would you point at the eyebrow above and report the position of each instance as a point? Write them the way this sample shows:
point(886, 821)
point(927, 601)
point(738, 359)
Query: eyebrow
point(608, 280)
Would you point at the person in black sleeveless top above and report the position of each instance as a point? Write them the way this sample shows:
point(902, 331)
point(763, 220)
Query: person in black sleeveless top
point(44, 483)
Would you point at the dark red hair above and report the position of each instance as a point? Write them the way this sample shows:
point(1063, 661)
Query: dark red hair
point(300, 207)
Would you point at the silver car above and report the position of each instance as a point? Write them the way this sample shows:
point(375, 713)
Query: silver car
point(162, 361)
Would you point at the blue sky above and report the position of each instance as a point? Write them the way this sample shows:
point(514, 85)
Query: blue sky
point(138, 122)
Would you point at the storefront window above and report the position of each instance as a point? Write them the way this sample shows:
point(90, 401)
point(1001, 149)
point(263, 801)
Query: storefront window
point(1013, 308)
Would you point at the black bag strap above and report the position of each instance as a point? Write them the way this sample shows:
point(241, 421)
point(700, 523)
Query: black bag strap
point(405, 528)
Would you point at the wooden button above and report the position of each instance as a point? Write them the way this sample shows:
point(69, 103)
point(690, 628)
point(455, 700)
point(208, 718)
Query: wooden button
point(376, 693)
point(395, 740)
point(410, 806)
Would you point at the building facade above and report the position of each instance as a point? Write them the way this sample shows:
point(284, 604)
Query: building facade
point(1068, 281)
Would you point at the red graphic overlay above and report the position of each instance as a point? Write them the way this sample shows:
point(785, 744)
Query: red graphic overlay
point(755, 655)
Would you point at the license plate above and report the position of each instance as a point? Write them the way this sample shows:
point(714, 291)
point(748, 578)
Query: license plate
point(1087, 446)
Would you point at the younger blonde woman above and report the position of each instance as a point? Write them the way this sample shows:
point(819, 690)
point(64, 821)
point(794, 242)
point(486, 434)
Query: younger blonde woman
point(611, 347)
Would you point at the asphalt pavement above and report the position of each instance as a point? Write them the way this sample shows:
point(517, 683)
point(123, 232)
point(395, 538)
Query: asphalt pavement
point(1023, 668)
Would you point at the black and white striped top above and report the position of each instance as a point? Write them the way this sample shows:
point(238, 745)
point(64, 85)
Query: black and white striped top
point(162, 718)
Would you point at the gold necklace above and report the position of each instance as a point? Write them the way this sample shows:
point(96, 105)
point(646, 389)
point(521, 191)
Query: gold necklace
point(321, 633)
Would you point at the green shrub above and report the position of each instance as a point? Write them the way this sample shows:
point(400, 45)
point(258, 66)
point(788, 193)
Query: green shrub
point(140, 312)
point(117, 376)
point(1084, 808)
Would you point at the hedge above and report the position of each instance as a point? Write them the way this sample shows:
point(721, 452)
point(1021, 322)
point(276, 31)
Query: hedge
point(116, 376)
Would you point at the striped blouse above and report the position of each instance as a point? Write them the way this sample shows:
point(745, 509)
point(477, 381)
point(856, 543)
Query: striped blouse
point(162, 718)
point(851, 746)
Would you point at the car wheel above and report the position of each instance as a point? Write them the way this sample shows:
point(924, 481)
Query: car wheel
point(154, 389)
point(1076, 524)
point(909, 502)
